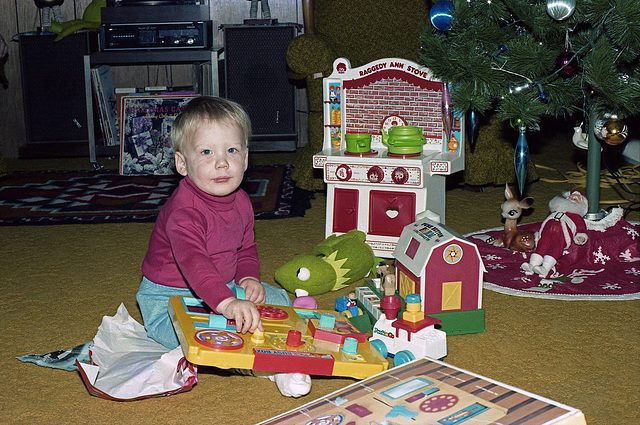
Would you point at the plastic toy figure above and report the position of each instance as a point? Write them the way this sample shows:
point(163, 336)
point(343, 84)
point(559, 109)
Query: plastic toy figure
point(47, 7)
point(266, 11)
point(347, 305)
point(562, 228)
point(387, 275)
point(511, 238)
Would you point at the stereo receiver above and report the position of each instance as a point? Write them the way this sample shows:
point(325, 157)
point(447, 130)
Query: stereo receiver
point(165, 35)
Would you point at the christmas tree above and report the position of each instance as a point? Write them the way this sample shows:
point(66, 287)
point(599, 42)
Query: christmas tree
point(528, 59)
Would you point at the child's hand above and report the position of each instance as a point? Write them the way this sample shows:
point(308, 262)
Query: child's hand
point(243, 312)
point(253, 289)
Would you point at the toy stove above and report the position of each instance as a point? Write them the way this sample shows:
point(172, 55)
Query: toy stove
point(382, 188)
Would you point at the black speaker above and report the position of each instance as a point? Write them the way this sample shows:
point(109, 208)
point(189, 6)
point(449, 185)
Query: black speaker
point(53, 86)
point(257, 78)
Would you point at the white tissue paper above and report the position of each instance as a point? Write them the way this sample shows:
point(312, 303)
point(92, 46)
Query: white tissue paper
point(128, 365)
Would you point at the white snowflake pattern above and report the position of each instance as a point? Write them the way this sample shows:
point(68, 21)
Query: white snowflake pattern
point(492, 257)
point(523, 279)
point(496, 266)
point(631, 232)
point(577, 276)
point(600, 257)
point(626, 256)
point(554, 274)
point(633, 271)
point(610, 286)
point(584, 273)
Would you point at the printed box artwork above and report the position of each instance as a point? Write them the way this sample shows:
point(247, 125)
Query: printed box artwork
point(428, 391)
point(145, 127)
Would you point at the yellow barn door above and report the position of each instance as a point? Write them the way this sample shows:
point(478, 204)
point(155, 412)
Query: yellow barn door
point(406, 285)
point(451, 295)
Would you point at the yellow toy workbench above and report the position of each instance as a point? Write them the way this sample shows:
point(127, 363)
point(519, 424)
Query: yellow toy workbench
point(314, 342)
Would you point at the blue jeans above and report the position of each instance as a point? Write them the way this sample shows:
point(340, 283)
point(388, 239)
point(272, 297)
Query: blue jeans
point(153, 300)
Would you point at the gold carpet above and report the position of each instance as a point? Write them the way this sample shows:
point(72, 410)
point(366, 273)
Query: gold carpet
point(59, 281)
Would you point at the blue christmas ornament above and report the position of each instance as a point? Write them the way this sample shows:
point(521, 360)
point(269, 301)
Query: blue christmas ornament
point(521, 159)
point(543, 94)
point(501, 49)
point(440, 15)
point(472, 119)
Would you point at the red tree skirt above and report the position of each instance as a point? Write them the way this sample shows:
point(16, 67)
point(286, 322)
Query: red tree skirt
point(607, 267)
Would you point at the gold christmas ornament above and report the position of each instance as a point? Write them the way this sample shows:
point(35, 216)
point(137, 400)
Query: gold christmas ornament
point(614, 131)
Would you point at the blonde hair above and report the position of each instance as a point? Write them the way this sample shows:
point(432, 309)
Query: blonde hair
point(207, 109)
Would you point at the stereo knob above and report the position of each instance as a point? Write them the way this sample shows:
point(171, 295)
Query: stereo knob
point(191, 40)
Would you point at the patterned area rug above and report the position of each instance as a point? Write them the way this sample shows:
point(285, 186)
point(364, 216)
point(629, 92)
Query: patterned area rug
point(607, 267)
point(66, 197)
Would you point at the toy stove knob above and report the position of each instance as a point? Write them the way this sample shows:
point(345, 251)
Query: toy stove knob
point(343, 172)
point(375, 174)
point(400, 175)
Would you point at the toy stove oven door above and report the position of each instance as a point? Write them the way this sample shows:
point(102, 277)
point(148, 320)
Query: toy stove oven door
point(381, 212)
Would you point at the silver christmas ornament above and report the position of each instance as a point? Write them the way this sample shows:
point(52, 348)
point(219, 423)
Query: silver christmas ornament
point(560, 9)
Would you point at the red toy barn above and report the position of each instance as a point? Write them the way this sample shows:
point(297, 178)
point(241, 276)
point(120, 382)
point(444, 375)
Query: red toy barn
point(446, 270)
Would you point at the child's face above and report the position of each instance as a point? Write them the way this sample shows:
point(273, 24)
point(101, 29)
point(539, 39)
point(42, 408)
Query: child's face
point(215, 159)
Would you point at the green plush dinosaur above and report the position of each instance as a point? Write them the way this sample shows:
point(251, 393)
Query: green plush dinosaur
point(90, 21)
point(333, 264)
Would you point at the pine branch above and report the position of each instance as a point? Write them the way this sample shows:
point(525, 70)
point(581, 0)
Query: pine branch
point(495, 46)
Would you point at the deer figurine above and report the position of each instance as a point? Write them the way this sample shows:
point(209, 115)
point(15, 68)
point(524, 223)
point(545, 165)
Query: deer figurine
point(512, 238)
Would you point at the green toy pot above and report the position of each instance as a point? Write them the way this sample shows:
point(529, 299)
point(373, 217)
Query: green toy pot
point(404, 140)
point(358, 142)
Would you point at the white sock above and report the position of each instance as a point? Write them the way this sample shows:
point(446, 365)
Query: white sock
point(292, 384)
point(534, 261)
point(526, 268)
point(546, 266)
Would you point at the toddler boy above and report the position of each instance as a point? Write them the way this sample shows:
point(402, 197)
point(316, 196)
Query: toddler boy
point(203, 243)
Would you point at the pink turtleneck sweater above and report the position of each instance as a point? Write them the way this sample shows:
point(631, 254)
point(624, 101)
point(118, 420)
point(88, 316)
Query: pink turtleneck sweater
point(203, 242)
